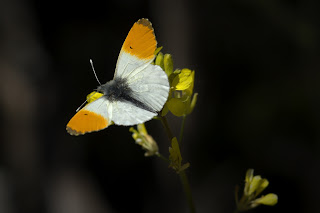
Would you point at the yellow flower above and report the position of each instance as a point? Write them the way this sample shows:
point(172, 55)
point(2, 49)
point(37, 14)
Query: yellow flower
point(184, 80)
point(269, 199)
point(181, 100)
point(254, 185)
point(145, 140)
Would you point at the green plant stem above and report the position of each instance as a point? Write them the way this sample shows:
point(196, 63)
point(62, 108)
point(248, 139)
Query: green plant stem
point(163, 158)
point(182, 174)
point(167, 128)
point(187, 190)
point(182, 128)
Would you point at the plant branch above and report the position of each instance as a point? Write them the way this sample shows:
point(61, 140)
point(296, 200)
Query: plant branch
point(163, 158)
point(187, 190)
point(182, 128)
point(182, 174)
point(167, 128)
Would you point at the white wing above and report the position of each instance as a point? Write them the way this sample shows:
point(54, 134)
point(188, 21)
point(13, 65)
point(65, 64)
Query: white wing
point(100, 106)
point(150, 86)
point(149, 82)
point(93, 117)
point(137, 49)
point(127, 114)
point(127, 63)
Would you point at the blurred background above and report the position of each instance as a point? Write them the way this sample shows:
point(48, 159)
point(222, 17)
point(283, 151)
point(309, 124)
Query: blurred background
point(257, 69)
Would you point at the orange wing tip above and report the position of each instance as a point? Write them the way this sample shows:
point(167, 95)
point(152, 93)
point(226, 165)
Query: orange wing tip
point(141, 41)
point(145, 22)
point(74, 132)
point(86, 121)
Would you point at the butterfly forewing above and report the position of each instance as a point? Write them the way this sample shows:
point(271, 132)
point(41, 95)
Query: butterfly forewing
point(138, 48)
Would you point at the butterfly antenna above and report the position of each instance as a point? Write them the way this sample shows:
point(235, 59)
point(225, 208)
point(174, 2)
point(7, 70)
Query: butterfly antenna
point(81, 105)
point(85, 101)
point(94, 72)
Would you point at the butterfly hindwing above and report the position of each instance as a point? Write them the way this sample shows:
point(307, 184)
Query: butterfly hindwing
point(150, 86)
point(128, 114)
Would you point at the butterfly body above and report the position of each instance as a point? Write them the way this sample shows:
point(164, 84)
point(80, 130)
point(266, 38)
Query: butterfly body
point(137, 92)
point(114, 90)
point(119, 90)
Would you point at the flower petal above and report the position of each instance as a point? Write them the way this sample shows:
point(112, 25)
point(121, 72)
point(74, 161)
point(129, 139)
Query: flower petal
point(255, 184)
point(184, 80)
point(269, 199)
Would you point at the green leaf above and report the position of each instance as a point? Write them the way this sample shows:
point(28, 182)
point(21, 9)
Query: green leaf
point(168, 64)
point(193, 103)
point(158, 50)
point(175, 155)
point(184, 167)
point(164, 110)
point(159, 60)
point(177, 106)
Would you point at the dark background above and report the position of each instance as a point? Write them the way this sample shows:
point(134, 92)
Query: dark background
point(257, 69)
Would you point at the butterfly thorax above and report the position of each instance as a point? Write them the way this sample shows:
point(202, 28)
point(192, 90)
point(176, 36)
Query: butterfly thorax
point(116, 89)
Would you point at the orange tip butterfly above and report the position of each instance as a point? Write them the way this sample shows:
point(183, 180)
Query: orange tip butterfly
point(137, 92)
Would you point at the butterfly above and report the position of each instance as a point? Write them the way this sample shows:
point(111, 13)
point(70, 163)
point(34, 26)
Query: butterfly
point(136, 94)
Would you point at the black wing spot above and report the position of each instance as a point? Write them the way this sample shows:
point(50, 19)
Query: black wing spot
point(131, 47)
point(85, 114)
